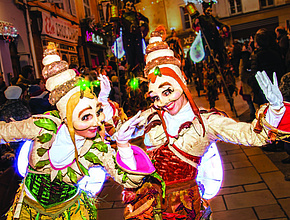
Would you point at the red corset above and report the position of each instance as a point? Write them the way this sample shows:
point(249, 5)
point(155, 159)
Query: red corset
point(170, 167)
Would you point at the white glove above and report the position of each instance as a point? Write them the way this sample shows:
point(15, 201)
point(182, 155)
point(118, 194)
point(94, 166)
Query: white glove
point(124, 134)
point(105, 89)
point(271, 91)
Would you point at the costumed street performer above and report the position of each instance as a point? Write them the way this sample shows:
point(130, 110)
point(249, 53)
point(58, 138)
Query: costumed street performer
point(178, 134)
point(209, 26)
point(66, 145)
point(134, 29)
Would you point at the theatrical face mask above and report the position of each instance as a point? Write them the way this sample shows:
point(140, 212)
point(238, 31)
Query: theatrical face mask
point(87, 117)
point(167, 94)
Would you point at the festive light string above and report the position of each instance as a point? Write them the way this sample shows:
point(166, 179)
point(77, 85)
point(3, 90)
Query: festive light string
point(7, 30)
point(84, 84)
point(134, 83)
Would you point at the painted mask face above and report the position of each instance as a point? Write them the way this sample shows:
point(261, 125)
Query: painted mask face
point(87, 117)
point(167, 94)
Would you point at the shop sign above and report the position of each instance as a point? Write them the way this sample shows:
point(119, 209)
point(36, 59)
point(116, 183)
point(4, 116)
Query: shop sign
point(91, 37)
point(188, 40)
point(59, 28)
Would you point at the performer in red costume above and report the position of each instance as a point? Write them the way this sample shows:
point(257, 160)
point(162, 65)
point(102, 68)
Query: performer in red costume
point(177, 135)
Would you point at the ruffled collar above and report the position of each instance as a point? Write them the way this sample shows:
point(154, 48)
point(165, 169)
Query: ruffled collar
point(62, 151)
point(173, 122)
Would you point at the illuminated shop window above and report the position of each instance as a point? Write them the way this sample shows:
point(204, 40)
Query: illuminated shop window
point(235, 6)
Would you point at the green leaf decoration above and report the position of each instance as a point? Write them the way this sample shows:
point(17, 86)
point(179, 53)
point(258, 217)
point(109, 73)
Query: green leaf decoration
point(41, 164)
point(157, 71)
point(59, 175)
point(66, 215)
point(116, 165)
point(84, 170)
point(157, 176)
point(83, 217)
point(78, 208)
point(47, 124)
point(41, 151)
point(125, 178)
point(120, 171)
point(44, 137)
point(97, 136)
point(91, 157)
point(72, 175)
point(101, 146)
point(55, 113)
point(37, 216)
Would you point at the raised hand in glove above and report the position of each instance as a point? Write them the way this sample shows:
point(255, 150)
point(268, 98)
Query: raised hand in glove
point(271, 90)
point(105, 89)
point(124, 134)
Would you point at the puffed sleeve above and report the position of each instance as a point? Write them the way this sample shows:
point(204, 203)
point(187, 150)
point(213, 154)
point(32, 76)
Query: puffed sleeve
point(228, 130)
point(18, 130)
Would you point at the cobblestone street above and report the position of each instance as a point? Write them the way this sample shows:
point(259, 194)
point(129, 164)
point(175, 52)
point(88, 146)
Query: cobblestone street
point(253, 187)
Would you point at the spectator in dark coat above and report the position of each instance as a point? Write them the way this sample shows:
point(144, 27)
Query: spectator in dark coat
point(265, 57)
point(13, 108)
point(282, 40)
point(38, 101)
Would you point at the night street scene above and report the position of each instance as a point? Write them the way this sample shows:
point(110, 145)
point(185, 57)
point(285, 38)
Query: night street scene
point(145, 109)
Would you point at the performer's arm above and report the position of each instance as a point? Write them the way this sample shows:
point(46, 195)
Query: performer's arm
point(18, 130)
point(273, 95)
point(122, 136)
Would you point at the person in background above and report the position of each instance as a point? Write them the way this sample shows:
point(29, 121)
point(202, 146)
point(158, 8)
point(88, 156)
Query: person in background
point(13, 109)
point(2, 89)
point(27, 75)
point(236, 57)
point(115, 92)
point(265, 57)
point(245, 66)
point(134, 28)
point(283, 41)
point(39, 99)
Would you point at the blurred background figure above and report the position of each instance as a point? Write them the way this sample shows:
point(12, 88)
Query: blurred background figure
point(38, 101)
point(265, 57)
point(175, 44)
point(134, 29)
point(13, 109)
point(283, 41)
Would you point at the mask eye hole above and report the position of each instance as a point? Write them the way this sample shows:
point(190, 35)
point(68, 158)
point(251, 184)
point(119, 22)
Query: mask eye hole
point(154, 98)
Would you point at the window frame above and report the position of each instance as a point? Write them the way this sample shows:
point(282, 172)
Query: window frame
point(236, 7)
point(186, 19)
point(267, 4)
point(87, 8)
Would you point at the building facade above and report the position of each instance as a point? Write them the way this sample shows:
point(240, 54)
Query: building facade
point(14, 45)
point(244, 17)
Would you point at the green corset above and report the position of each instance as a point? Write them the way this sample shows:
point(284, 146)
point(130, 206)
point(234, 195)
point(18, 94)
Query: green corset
point(48, 193)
